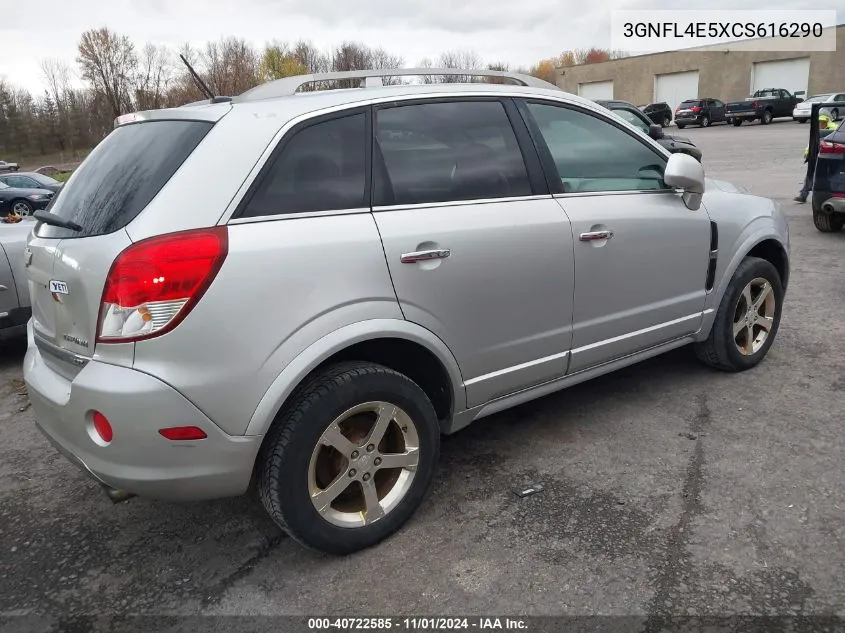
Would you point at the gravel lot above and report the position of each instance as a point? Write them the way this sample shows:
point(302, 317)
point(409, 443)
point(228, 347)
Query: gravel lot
point(670, 489)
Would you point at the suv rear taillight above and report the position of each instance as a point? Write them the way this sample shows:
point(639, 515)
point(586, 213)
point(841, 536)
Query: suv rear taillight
point(829, 147)
point(696, 108)
point(155, 283)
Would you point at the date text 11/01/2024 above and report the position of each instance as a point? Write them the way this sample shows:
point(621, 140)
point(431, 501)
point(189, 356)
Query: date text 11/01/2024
point(482, 624)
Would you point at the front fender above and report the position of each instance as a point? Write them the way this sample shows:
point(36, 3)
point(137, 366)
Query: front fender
point(758, 231)
point(338, 340)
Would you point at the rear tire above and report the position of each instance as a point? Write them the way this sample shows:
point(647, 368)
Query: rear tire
point(667, 121)
point(724, 350)
point(22, 207)
point(828, 222)
point(681, 126)
point(736, 122)
point(321, 440)
point(766, 118)
point(834, 114)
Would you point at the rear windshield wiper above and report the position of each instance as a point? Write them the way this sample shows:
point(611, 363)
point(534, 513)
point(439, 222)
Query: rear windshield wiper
point(54, 220)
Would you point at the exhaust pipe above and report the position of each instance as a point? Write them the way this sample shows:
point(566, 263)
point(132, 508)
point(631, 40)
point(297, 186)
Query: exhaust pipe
point(827, 208)
point(117, 496)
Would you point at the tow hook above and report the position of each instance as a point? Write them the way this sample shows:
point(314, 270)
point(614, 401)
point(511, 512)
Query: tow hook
point(117, 496)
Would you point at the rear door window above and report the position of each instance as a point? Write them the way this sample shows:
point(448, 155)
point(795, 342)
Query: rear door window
point(447, 151)
point(122, 176)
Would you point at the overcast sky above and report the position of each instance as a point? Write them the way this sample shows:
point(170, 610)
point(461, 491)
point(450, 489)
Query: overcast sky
point(519, 32)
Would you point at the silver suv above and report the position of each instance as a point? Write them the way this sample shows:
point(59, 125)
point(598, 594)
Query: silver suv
point(304, 289)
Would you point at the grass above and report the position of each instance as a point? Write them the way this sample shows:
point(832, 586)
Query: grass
point(31, 162)
point(62, 177)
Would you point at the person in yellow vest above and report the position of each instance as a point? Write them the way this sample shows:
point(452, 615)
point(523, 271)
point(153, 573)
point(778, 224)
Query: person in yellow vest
point(825, 126)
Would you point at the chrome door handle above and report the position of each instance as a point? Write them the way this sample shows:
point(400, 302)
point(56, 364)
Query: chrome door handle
point(594, 236)
point(421, 256)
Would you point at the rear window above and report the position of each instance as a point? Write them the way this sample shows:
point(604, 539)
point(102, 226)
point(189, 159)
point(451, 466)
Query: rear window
point(690, 104)
point(122, 175)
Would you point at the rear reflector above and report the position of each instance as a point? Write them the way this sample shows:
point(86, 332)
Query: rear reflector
point(103, 427)
point(183, 433)
point(155, 283)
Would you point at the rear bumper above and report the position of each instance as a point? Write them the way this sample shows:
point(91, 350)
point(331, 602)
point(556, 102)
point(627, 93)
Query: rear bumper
point(138, 459)
point(743, 115)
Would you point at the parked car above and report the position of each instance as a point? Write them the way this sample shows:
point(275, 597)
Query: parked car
point(31, 180)
point(659, 113)
point(23, 201)
point(801, 113)
point(438, 253)
point(763, 105)
point(701, 112)
point(4, 166)
point(15, 308)
point(638, 119)
point(828, 190)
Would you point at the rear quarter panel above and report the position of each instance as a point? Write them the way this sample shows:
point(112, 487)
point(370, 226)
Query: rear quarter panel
point(284, 285)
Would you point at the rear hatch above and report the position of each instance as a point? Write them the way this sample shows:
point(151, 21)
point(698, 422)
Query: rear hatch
point(687, 109)
point(67, 267)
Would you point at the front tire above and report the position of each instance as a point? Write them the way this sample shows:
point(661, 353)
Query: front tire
point(681, 126)
point(705, 122)
point(667, 121)
point(834, 114)
point(828, 222)
point(350, 457)
point(747, 320)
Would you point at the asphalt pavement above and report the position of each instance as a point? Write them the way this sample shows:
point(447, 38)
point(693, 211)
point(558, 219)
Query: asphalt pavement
point(670, 489)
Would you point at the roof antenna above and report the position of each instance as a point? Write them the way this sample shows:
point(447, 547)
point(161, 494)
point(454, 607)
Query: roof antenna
point(200, 84)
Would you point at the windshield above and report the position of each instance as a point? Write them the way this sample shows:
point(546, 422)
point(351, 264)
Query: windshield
point(632, 118)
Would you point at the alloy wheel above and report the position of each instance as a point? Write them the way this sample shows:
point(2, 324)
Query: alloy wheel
point(21, 208)
point(754, 316)
point(364, 464)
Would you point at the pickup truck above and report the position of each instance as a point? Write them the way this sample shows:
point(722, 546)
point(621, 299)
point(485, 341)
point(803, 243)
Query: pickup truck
point(763, 105)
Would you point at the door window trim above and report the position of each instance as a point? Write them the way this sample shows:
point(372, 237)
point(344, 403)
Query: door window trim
point(530, 158)
point(288, 135)
point(550, 167)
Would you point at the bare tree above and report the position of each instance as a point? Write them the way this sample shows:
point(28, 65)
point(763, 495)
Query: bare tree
point(231, 65)
point(464, 60)
point(108, 62)
point(154, 76)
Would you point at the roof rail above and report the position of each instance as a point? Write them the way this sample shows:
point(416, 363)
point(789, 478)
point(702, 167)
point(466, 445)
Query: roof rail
point(372, 78)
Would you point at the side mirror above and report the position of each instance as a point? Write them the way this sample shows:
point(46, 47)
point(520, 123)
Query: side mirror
point(685, 173)
point(655, 131)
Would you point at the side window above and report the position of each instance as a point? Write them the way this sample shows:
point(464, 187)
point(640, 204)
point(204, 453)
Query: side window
point(320, 168)
point(447, 151)
point(840, 97)
point(593, 155)
point(718, 103)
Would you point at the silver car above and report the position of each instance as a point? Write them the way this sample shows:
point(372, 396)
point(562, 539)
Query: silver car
point(304, 290)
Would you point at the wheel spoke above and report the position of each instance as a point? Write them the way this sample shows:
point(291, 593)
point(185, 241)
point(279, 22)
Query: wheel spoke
point(373, 510)
point(336, 439)
point(739, 326)
point(766, 323)
point(386, 413)
point(765, 291)
point(749, 340)
point(409, 459)
point(323, 499)
point(746, 294)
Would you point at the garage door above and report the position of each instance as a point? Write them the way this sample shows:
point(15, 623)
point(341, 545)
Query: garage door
point(676, 87)
point(596, 90)
point(791, 74)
